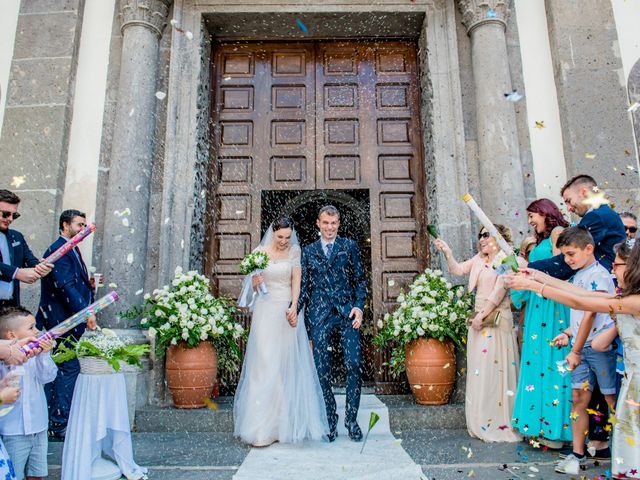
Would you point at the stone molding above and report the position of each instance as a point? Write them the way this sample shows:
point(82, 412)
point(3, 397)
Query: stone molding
point(481, 12)
point(147, 13)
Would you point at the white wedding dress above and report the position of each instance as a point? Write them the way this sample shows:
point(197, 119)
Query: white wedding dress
point(278, 397)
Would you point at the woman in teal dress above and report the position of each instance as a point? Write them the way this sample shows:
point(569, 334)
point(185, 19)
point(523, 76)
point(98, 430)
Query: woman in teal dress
point(542, 404)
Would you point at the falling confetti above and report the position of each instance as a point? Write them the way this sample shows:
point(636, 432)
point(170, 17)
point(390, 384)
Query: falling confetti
point(539, 124)
point(130, 258)
point(633, 107)
point(161, 95)
point(589, 156)
point(18, 181)
point(514, 96)
point(210, 404)
point(595, 200)
point(302, 26)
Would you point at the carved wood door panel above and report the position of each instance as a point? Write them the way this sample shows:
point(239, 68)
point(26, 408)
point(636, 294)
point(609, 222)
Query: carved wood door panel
point(319, 116)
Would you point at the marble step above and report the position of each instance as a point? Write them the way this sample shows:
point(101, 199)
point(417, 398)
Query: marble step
point(404, 415)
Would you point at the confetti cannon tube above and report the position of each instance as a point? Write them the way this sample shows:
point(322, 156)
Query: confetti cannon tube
point(491, 228)
point(73, 321)
point(64, 249)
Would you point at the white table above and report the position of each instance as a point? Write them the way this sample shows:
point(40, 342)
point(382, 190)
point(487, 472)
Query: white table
point(98, 423)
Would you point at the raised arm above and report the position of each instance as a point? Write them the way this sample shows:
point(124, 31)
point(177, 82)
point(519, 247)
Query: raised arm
point(455, 268)
point(594, 302)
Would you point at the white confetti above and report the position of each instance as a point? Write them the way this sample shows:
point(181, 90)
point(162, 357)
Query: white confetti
point(131, 112)
point(139, 291)
point(113, 285)
point(534, 469)
point(92, 269)
point(514, 96)
point(391, 283)
point(18, 181)
point(173, 22)
point(125, 222)
point(138, 187)
point(227, 78)
point(189, 35)
point(509, 393)
point(130, 258)
point(166, 220)
point(633, 107)
point(161, 95)
point(182, 243)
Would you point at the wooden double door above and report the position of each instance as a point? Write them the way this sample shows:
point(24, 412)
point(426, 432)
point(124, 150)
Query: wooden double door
point(319, 116)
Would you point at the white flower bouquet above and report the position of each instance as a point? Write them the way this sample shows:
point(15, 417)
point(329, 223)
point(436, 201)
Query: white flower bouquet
point(105, 345)
point(253, 264)
point(186, 311)
point(432, 308)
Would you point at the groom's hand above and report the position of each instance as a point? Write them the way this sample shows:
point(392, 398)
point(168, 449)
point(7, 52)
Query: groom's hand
point(356, 317)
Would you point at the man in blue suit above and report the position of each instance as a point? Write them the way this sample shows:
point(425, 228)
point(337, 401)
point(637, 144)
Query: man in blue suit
point(65, 292)
point(606, 228)
point(580, 194)
point(333, 291)
point(17, 263)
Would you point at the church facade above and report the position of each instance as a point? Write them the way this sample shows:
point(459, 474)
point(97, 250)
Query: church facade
point(183, 127)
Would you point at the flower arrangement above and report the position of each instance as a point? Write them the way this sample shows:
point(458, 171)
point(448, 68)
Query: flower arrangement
point(103, 344)
point(187, 312)
point(253, 263)
point(432, 308)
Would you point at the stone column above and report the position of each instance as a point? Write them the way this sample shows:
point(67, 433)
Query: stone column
point(127, 203)
point(501, 182)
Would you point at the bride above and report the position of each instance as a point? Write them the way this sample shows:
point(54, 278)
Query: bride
point(278, 398)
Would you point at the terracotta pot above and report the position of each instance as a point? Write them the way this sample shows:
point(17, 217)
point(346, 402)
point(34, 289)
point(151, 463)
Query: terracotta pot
point(191, 373)
point(431, 370)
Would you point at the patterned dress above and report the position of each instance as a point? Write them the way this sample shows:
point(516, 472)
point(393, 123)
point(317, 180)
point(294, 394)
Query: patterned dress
point(543, 397)
point(626, 431)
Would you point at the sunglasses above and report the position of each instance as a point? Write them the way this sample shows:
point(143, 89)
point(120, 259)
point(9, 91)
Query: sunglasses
point(14, 215)
point(631, 229)
point(483, 235)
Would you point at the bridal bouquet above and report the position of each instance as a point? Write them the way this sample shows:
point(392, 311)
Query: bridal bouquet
point(253, 264)
point(432, 308)
point(186, 311)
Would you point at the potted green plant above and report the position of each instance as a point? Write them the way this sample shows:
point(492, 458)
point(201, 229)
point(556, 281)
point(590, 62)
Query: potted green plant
point(191, 326)
point(423, 331)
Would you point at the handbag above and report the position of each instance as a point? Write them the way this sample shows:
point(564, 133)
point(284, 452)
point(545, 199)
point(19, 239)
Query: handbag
point(492, 320)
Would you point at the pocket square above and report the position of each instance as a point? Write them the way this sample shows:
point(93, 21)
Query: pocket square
point(16, 243)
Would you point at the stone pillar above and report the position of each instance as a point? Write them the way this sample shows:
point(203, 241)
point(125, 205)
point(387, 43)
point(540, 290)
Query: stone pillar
point(127, 203)
point(501, 183)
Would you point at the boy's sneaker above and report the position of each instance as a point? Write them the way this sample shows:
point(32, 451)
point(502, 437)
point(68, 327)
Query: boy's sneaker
point(571, 465)
point(591, 453)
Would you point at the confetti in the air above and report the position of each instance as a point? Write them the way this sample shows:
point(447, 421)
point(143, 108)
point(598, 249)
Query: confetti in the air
point(633, 107)
point(302, 26)
point(161, 95)
point(18, 181)
point(514, 96)
point(539, 124)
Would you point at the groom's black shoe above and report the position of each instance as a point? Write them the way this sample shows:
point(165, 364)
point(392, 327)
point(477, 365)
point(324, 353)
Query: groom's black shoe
point(355, 433)
point(333, 429)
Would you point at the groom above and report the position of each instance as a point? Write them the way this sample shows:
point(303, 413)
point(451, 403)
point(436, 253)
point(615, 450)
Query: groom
point(333, 291)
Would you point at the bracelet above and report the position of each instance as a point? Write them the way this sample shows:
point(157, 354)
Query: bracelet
point(540, 294)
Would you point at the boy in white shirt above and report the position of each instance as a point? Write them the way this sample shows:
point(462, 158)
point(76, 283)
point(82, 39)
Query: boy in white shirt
point(24, 428)
point(586, 364)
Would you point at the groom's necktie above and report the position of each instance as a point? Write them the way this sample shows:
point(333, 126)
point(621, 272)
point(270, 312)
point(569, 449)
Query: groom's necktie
point(329, 249)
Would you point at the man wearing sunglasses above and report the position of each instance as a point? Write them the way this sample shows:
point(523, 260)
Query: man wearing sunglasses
point(17, 263)
point(630, 224)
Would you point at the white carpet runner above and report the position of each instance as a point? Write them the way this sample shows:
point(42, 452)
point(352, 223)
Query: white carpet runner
point(383, 456)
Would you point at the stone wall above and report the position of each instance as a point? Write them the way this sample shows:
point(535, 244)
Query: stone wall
point(37, 120)
point(598, 137)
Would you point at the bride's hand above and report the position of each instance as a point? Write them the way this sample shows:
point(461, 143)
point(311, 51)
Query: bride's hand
point(257, 279)
point(292, 317)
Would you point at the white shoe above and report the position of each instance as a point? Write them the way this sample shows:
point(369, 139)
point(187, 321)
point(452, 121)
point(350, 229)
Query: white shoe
point(571, 465)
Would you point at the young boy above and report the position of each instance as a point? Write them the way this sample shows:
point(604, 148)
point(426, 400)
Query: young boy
point(24, 428)
point(586, 364)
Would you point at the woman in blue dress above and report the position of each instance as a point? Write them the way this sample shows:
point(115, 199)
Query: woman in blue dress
point(542, 404)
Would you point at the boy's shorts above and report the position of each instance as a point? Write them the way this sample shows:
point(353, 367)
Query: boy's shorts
point(600, 366)
point(28, 454)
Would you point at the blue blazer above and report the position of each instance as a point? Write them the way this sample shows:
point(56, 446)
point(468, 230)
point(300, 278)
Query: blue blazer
point(65, 291)
point(21, 257)
point(327, 283)
point(605, 227)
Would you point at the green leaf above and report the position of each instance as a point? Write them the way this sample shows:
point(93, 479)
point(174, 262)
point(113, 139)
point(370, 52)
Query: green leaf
point(433, 230)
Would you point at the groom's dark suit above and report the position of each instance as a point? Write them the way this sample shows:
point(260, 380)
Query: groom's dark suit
point(331, 287)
